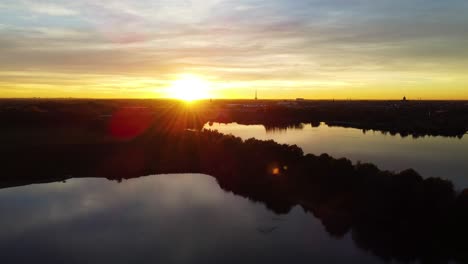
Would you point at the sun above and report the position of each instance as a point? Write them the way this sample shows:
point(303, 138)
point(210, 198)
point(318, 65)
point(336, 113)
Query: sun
point(189, 88)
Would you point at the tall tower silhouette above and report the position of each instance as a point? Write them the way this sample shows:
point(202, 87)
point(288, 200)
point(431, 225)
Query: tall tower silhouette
point(256, 98)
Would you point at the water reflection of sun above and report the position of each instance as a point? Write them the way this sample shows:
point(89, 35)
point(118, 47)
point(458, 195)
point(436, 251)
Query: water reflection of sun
point(189, 88)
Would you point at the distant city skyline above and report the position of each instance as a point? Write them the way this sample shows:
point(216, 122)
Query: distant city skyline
point(194, 49)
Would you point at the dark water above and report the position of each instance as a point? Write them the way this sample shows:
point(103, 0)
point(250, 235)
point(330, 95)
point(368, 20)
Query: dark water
point(431, 156)
point(159, 219)
point(189, 218)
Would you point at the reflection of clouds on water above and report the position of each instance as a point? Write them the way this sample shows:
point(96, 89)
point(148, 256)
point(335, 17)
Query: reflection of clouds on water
point(164, 218)
point(86, 196)
point(51, 203)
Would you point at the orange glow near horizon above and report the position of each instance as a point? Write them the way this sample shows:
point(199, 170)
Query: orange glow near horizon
point(190, 86)
point(221, 49)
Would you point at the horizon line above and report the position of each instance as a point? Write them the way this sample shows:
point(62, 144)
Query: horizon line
point(226, 99)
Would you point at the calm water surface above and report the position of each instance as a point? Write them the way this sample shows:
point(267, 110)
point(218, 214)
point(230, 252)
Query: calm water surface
point(431, 156)
point(159, 219)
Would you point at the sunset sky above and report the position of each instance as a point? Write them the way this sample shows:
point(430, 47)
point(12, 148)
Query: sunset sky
point(317, 49)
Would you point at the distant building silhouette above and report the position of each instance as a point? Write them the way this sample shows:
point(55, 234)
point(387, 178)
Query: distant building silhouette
point(256, 97)
point(404, 99)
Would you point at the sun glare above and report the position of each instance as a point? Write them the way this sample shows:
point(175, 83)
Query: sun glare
point(189, 88)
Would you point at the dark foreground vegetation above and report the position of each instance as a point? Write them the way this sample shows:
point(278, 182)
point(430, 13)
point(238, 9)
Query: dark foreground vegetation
point(396, 216)
point(85, 117)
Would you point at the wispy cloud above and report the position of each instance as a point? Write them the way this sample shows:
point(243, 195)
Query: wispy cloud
point(50, 9)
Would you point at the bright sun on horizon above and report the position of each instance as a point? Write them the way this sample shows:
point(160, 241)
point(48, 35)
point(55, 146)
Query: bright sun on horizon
point(189, 88)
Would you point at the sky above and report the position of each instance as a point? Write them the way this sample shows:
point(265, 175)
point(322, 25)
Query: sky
point(317, 49)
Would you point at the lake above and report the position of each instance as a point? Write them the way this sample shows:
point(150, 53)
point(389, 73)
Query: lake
point(177, 218)
point(197, 218)
point(442, 157)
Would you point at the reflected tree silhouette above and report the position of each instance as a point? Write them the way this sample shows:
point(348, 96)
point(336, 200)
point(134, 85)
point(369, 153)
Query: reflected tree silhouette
point(396, 216)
